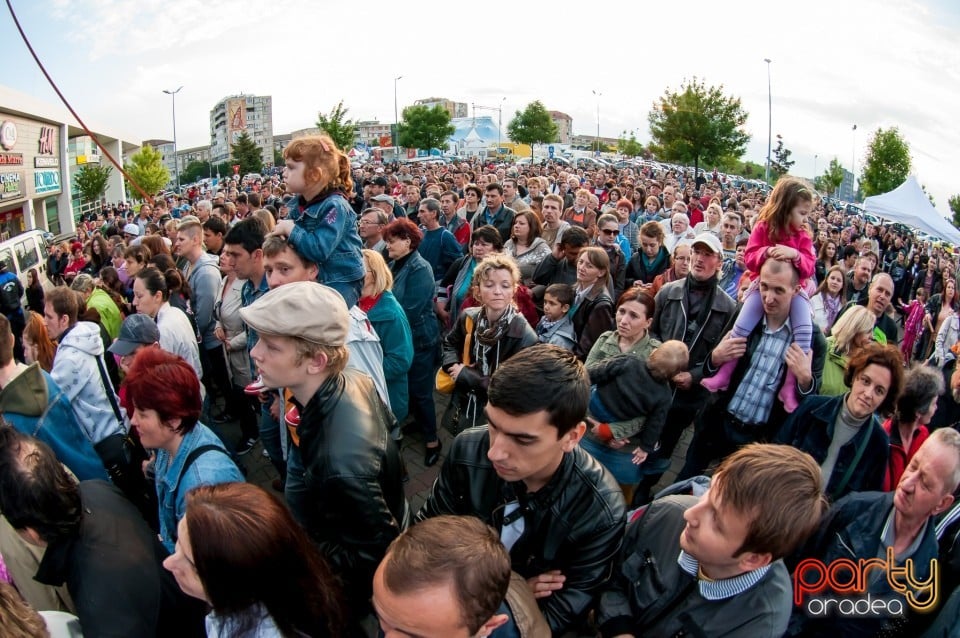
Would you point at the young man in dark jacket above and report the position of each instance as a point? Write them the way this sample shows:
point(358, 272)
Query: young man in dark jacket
point(356, 505)
point(557, 510)
point(714, 566)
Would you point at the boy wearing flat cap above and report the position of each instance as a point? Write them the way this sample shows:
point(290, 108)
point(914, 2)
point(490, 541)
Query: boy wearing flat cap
point(353, 468)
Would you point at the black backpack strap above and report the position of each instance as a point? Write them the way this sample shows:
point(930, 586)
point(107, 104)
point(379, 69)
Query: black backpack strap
point(196, 453)
point(108, 389)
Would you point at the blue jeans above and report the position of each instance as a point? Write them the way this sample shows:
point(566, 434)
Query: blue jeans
point(270, 437)
point(598, 410)
point(296, 490)
point(618, 462)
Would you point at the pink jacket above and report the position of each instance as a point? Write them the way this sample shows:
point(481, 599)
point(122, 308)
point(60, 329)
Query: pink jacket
point(759, 242)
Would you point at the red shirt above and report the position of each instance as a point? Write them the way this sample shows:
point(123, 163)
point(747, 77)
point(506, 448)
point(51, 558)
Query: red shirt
point(899, 458)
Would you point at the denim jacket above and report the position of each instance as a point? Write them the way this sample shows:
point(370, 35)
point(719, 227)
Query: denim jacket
point(326, 234)
point(210, 468)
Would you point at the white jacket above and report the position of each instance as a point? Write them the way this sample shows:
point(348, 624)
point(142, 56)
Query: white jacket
point(177, 336)
point(75, 370)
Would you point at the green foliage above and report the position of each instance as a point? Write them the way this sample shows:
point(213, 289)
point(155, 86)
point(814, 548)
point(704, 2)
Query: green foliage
point(887, 164)
point(425, 128)
point(781, 162)
point(91, 181)
point(954, 204)
point(278, 158)
point(338, 127)
point(832, 176)
point(247, 154)
point(194, 171)
point(697, 123)
point(629, 146)
point(147, 169)
point(532, 126)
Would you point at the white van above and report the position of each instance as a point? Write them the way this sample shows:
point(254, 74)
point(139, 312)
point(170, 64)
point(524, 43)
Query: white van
point(25, 251)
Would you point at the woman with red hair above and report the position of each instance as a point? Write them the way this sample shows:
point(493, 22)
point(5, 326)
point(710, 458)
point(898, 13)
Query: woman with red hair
point(163, 395)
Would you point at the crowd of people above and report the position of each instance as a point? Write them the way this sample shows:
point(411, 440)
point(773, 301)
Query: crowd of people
point(564, 326)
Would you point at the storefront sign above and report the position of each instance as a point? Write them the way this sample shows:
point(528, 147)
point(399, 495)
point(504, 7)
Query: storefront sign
point(88, 159)
point(46, 162)
point(11, 159)
point(8, 134)
point(45, 146)
point(46, 181)
point(10, 185)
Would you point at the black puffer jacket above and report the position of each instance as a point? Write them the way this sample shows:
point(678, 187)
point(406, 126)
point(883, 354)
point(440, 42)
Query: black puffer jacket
point(575, 523)
point(353, 471)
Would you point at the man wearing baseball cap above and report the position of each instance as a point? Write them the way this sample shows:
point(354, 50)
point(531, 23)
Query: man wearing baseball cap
point(136, 331)
point(353, 468)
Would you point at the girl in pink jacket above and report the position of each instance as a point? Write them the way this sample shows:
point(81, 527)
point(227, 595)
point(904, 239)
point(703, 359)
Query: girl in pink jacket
point(780, 234)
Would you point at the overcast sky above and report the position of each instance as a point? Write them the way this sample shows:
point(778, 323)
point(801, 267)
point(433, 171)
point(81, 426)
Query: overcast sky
point(834, 64)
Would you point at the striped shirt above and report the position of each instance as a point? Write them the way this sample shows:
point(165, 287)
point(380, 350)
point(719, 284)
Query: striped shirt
point(723, 588)
point(753, 399)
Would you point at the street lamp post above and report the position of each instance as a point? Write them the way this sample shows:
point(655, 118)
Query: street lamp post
point(853, 165)
point(500, 122)
point(815, 166)
point(598, 95)
point(396, 117)
point(766, 177)
point(176, 164)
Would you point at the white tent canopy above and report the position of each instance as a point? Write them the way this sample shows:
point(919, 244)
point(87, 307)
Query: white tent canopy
point(909, 205)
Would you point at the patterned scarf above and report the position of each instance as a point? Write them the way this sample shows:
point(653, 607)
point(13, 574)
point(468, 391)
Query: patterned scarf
point(487, 336)
point(832, 307)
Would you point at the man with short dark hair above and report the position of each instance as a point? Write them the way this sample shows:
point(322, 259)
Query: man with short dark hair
point(711, 564)
point(495, 213)
point(560, 267)
point(450, 576)
point(95, 542)
point(511, 198)
point(438, 246)
point(750, 410)
point(557, 510)
point(214, 228)
point(451, 219)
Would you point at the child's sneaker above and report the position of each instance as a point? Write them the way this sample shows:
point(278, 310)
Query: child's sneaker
point(256, 388)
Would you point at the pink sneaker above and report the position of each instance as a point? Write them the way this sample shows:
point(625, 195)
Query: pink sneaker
point(256, 388)
point(788, 393)
point(720, 381)
point(292, 417)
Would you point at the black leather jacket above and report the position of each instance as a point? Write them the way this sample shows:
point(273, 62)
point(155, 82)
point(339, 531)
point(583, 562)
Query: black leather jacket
point(353, 471)
point(575, 523)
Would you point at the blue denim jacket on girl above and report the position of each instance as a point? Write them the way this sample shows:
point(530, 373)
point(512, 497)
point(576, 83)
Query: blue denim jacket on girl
point(325, 232)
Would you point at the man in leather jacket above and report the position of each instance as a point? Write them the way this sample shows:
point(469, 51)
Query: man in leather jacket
point(557, 510)
point(356, 505)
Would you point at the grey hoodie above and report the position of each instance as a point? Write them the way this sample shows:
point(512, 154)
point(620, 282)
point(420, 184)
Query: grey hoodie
point(75, 371)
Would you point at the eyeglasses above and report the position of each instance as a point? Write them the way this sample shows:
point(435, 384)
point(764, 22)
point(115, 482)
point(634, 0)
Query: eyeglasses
point(607, 231)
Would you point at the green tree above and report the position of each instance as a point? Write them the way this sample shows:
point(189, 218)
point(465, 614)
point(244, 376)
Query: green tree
point(781, 158)
point(195, 170)
point(629, 146)
point(338, 127)
point(954, 204)
point(147, 169)
point(247, 154)
point(832, 176)
point(278, 158)
point(425, 128)
point(887, 164)
point(532, 126)
point(91, 181)
point(697, 123)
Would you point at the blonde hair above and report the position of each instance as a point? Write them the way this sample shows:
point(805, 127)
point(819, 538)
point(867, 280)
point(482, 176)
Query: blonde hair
point(337, 356)
point(496, 261)
point(855, 321)
point(377, 266)
point(266, 219)
point(669, 359)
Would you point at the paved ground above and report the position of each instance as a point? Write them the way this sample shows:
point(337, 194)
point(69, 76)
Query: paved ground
point(261, 472)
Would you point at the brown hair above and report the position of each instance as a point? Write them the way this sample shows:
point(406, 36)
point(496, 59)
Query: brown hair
point(653, 230)
point(248, 549)
point(17, 618)
point(64, 302)
point(452, 550)
point(155, 244)
point(788, 192)
point(532, 221)
point(403, 228)
point(326, 164)
point(884, 356)
point(779, 488)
